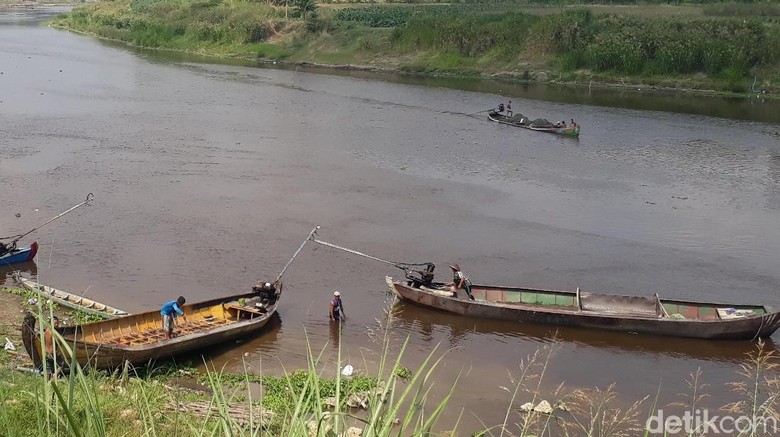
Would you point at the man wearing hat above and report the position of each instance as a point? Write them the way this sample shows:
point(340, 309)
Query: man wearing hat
point(337, 308)
point(460, 281)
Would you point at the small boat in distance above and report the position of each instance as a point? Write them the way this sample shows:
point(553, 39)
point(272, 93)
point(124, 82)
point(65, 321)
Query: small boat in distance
point(632, 314)
point(139, 339)
point(13, 254)
point(539, 124)
point(70, 300)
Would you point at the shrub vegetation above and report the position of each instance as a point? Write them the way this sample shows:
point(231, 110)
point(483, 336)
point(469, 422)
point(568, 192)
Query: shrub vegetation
point(725, 42)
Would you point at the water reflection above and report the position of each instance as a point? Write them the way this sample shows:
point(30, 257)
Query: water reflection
point(28, 269)
point(749, 108)
point(246, 349)
point(335, 330)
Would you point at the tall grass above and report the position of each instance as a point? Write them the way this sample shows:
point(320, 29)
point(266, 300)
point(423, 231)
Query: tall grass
point(744, 9)
point(468, 37)
point(177, 23)
point(622, 44)
point(87, 402)
point(93, 403)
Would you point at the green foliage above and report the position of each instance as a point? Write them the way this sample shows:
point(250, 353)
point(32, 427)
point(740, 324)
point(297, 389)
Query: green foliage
point(743, 9)
point(282, 393)
point(566, 32)
point(395, 16)
point(403, 372)
point(305, 7)
point(375, 16)
point(662, 46)
point(269, 51)
point(466, 35)
point(77, 317)
point(459, 37)
point(175, 23)
point(23, 292)
point(158, 6)
point(313, 22)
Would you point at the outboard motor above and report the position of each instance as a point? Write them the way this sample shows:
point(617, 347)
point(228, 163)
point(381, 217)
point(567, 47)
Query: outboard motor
point(427, 275)
point(267, 292)
point(425, 278)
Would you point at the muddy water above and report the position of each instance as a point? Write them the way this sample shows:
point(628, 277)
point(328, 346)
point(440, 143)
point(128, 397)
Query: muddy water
point(208, 177)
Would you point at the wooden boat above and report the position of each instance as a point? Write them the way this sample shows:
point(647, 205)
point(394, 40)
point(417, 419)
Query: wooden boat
point(540, 124)
point(19, 254)
point(139, 339)
point(640, 315)
point(70, 300)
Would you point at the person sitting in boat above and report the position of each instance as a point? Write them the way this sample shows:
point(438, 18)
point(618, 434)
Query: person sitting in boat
point(573, 124)
point(460, 281)
point(509, 109)
point(169, 312)
point(3, 249)
point(337, 308)
point(500, 107)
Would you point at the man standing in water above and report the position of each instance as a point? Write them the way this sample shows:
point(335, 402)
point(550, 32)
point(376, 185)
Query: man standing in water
point(337, 308)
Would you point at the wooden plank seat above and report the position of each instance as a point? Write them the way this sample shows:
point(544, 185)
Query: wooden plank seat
point(249, 312)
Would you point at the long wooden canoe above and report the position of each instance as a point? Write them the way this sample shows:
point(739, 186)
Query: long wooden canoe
point(19, 254)
point(640, 315)
point(70, 300)
point(539, 125)
point(139, 339)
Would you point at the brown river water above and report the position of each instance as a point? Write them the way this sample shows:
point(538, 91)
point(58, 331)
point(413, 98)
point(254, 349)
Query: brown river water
point(207, 177)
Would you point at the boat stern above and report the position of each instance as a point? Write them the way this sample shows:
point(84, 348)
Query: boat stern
point(33, 251)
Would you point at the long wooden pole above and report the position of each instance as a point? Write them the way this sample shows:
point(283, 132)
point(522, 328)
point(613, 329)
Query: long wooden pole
point(90, 196)
point(308, 238)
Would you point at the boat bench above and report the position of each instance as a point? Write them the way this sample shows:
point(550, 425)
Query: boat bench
point(244, 311)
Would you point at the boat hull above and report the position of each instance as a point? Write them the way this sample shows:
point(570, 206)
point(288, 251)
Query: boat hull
point(71, 300)
point(138, 339)
point(107, 357)
point(564, 131)
point(20, 255)
point(742, 328)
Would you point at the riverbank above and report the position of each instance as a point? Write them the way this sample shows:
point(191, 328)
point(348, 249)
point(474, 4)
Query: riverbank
point(653, 48)
point(173, 399)
point(170, 398)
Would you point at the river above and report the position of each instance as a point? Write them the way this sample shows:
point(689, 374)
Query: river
point(207, 177)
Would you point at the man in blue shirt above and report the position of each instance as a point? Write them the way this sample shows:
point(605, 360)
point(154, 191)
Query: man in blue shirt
point(169, 311)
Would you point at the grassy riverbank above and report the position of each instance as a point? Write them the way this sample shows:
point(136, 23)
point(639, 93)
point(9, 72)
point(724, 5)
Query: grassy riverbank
point(732, 48)
point(167, 400)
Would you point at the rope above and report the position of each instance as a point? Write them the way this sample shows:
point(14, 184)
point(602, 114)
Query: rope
point(479, 112)
point(760, 327)
point(90, 196)
point(400, 265)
